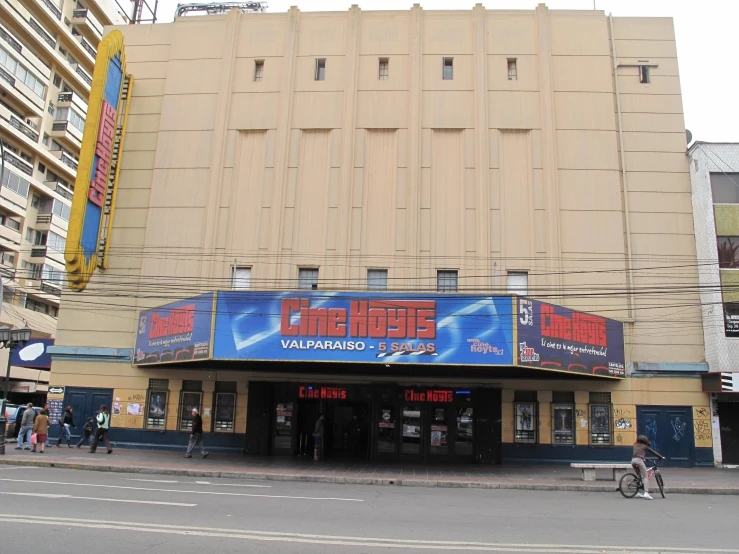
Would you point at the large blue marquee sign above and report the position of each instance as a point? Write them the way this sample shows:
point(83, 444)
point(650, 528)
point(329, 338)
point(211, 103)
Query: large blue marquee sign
point(365, 327)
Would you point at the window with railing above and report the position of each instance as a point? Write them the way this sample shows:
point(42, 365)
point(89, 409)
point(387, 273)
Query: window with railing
point(37, 306)
point(10, 223)
point(68, 114)
point(23, 75)
point(53, 206)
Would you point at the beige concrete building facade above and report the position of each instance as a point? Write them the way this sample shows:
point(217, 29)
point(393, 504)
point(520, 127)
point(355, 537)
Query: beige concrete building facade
point(484, 152)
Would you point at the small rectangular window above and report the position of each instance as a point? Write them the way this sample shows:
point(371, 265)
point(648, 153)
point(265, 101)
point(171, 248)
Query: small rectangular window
point(384, 69)
point(512, 70)
point(518, 282)
point(377, 279)
point(57, 80)
point(447, 281)
point(728, 252)
point(307, 278)
point(731, 319)
point(448, 73)
point(41, 167)
point(320, 69)
point(644, 76)
point(258, 70)
point(35, 201)
point(725, 188)
point(241, 278)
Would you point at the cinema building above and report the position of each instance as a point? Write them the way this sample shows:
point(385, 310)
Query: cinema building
point(463, 236)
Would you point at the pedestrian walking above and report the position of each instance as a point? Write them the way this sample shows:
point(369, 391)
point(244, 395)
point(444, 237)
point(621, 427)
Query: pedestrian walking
point(318, 437)
point(86, 432)
point(26, 427)
point(41, 428)
point(67, 423)
point(103, 420)
point(196, 436)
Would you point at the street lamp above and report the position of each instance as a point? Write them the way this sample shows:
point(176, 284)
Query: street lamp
point(10, 339)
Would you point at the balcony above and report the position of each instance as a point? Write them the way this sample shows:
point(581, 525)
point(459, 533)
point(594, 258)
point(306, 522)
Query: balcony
point(68, 133)
point(18, 163)
point(7, 271)
point(63, 191)
point(39, 251)
point(86, 46)
point(82, 73)
point(24, 128)
point(70, 99)
point(10, 239)
point(52, 8)
point(21, 94)
point(51, 287)
point(88, 22)
point(43, 33)
point(14, 44)
point(65, 158)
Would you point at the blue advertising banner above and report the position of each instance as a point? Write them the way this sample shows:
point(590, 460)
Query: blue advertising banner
point(364, 327)
point(177, 332)
point(35, 354)
point(556, 338)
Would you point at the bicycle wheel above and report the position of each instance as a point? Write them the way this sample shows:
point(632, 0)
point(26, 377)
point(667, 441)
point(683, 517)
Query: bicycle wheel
point(629, 485)
point(661, 485)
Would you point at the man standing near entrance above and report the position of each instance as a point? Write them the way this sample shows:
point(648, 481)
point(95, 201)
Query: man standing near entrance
point(318, 437)
point(196, 437)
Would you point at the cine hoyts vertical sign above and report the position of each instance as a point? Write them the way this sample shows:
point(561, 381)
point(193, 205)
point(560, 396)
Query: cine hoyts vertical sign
point(97, 173)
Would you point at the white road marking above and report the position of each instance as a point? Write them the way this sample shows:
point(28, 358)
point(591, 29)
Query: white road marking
point(43, 495)
point(185, 492)
point(201, 483)
point(355, 541)
point(153, 480)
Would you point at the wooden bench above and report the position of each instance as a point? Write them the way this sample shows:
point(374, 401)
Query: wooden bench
point(588, 470)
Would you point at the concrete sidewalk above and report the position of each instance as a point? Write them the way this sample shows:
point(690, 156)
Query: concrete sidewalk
point(234, 466)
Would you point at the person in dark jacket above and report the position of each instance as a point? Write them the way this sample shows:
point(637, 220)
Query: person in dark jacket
point(86, 432)
point(641, 447)
point(196, 436)
point(67, 423)
point(103, 419)
point(26, 427)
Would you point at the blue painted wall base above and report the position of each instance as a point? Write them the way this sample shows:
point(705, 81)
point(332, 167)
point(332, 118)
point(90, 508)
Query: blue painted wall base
point(141, 439)
point(550, 454)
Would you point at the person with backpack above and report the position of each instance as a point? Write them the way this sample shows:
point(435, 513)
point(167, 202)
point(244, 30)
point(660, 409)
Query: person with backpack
point(86, 432)
point(103, 420)
point(67, 423)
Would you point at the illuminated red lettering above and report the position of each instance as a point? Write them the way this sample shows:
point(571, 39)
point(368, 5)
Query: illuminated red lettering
point(178, 321)
point(579, 327)
point(103, 150)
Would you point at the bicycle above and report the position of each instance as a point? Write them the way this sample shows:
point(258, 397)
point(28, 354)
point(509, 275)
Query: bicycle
point(632, 483)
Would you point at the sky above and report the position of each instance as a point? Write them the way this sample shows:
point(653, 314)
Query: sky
point(706, 45)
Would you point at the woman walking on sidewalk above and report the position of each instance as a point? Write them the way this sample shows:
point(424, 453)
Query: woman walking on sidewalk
point(67, 423)
point(41, 428)
point(102, 432)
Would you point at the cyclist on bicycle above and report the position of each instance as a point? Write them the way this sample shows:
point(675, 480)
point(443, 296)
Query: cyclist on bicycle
point(641, 447)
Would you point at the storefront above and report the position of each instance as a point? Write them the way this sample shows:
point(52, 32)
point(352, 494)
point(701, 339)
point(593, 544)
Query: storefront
point(379, 422)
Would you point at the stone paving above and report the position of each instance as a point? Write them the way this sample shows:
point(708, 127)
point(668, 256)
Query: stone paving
point(228, 465)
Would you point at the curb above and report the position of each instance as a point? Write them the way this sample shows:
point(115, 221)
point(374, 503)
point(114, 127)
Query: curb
point(343, 480)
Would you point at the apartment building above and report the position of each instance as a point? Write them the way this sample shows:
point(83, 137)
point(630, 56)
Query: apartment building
point(462, 235)
point(47, 56)
point(714, 175)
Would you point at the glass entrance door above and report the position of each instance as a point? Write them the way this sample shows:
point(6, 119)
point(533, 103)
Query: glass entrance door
point(412, 432)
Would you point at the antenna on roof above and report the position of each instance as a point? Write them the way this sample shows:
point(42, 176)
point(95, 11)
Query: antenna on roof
point(216, 8)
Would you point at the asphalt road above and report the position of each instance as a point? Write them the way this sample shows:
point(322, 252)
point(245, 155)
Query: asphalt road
point(67, 511)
